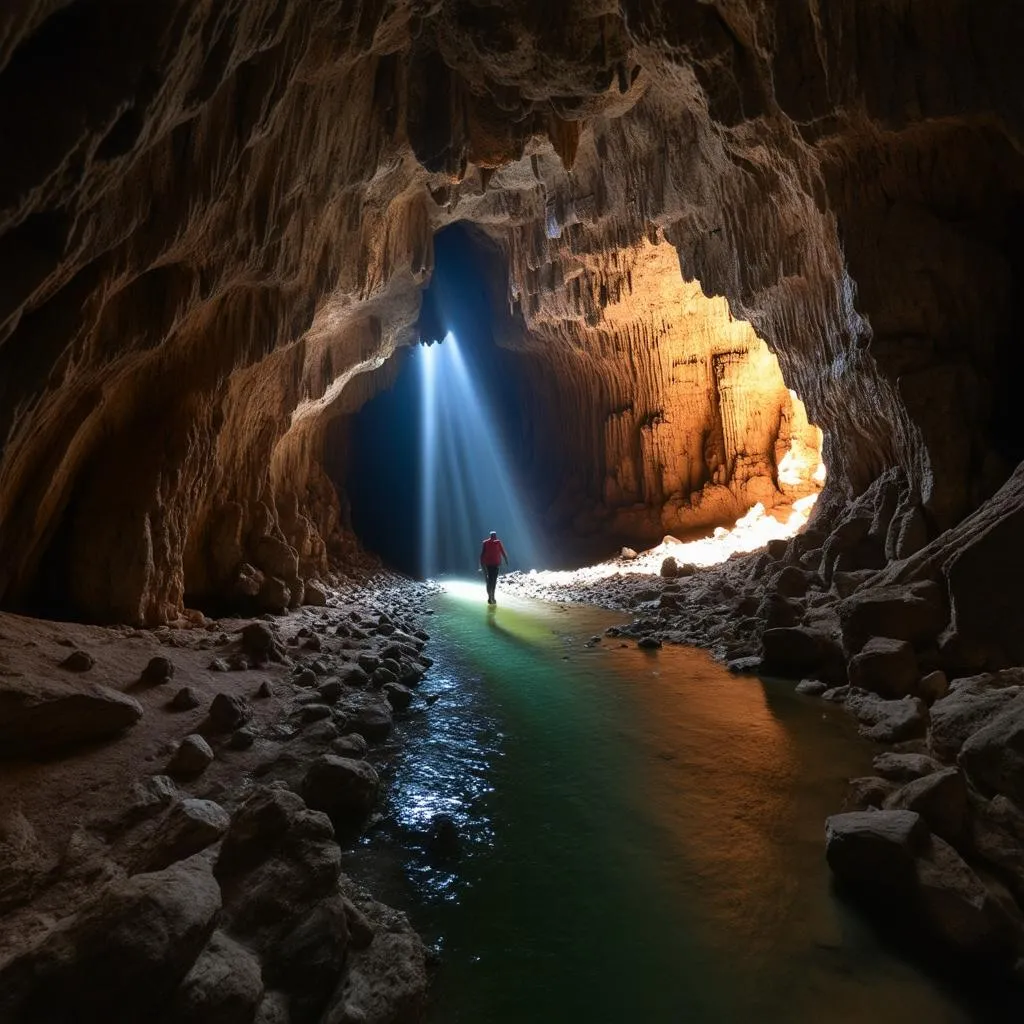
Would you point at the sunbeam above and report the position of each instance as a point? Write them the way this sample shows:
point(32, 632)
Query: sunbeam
point(468, 486)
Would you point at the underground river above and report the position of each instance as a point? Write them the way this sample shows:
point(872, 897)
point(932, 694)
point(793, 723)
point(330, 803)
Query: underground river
point(641, 834)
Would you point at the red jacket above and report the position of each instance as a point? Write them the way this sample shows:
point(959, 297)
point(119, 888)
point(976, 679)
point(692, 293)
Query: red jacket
point(492, 551)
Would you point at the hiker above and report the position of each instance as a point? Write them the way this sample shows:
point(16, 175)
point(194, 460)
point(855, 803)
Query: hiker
point(491, 554)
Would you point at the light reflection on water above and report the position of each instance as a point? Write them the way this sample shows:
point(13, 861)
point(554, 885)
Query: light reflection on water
point(641, 835)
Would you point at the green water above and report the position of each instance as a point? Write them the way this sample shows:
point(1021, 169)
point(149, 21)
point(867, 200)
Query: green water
point(641, 835)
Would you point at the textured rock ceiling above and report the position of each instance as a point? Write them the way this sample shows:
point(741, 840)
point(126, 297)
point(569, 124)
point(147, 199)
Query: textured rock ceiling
point(213, 215)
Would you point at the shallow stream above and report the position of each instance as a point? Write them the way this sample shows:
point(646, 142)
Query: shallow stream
point(641, 834)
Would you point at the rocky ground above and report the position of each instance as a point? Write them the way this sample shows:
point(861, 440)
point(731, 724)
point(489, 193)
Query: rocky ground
point(860, 612)
point(171, 808)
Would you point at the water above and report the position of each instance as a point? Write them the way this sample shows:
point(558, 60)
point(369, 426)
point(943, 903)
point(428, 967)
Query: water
point(641, 835)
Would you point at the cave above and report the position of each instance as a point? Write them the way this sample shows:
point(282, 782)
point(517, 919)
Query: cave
point(705, 307)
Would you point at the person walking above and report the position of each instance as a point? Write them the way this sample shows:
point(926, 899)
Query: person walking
point(491, 554)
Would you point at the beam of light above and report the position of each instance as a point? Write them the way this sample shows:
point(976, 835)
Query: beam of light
point(468, 486)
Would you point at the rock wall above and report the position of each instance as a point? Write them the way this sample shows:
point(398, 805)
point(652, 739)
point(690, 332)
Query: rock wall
point(213, 216)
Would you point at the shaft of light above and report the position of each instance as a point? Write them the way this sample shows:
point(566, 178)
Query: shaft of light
point(468, 486)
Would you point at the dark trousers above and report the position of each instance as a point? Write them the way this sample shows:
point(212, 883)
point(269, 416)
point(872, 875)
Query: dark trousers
point(491, 573)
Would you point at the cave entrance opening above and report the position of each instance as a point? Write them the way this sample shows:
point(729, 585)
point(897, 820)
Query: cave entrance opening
point(661, 423)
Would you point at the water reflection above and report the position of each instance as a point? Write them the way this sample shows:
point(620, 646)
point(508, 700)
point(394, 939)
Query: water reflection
point(641, 836)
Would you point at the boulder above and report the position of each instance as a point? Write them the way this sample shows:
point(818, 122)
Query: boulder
point(993, 756)
point(811, 687)
point(248, 581)
point(869, 791)
point(934, 686)
point(969, 706)
point(997, 837)
point(343, 788)
point(669, 568)
point(874, 850)
point(258, 642)
point(242, 739)
point(78, 661)
point(184, 700)
point(885, 666)
point(158, 670)
point(792, 582)
point(373, 720)
point(915, 613)
point(350, 745)
point(188, 826)
point(228, 711)
point(309, 960)
point(192, 756)
point(940, 798)
point(121, 956)
point(275, 596)
point(956, 907)
point(276, 558)
point(904, 767)
point(315, 593)
point(798, 650)
point(224, 986)
point(386, 979)
point(887, 721)
point(984, 589)
point(40, 718)
point(397, 695)
point(330, 691)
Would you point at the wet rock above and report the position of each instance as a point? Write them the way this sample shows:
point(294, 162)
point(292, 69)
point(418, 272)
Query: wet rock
point(224, 986)
point(993, 755)
point(41, 717)
point(185, 699)
point(811, 687)
point(398, 696)
point(120, 957)
point(343, 788)
point(192, 756)
point(350, 745)
point(956, 906)
point(649, 643)
point(869, 791)
point(188, 826)
point(228, 711)
point(373, 721)
point(968, 707)
point(242, 739)
point(940, 798)
point(78, 661)
point(443, 842)
point(887, 721)
point(778, 612)
point(744, 666)
point(884, 666)
point(874, 850)
point(904, 767)
point(158, 671)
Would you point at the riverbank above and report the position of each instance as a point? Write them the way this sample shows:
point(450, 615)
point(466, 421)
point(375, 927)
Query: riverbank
point(173, 804)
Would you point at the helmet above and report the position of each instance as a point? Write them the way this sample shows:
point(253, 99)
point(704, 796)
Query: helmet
point(494, 534)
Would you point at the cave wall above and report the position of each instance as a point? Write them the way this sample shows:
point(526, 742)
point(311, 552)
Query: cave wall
point(213, 216)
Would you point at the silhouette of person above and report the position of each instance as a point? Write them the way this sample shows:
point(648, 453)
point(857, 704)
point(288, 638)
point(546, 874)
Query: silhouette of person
point(491, 554)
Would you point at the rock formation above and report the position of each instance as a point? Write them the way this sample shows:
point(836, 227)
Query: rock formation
point(212, 219)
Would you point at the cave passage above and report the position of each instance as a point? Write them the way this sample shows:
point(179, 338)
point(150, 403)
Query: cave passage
point(434, 459)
